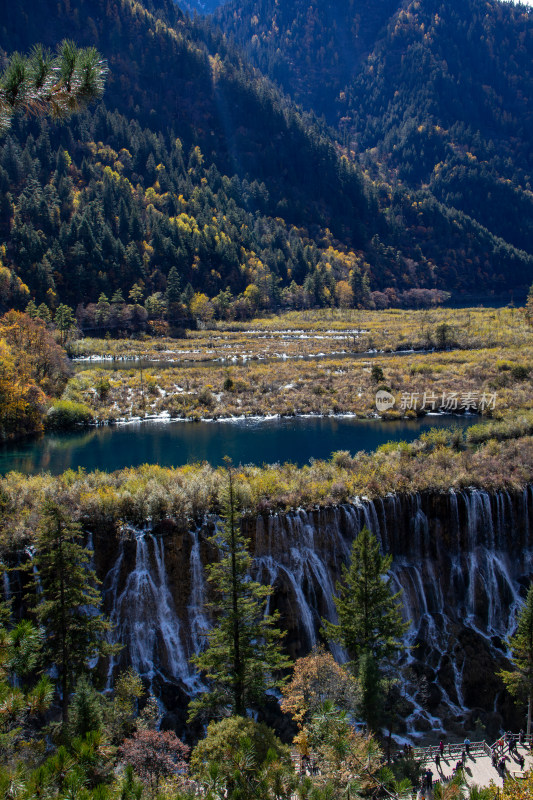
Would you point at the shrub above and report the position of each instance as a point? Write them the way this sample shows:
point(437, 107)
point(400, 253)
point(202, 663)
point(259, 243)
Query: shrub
point(205, 398)
point(102, 387)
point(239, 751)
point(376, 373)
point(155, 755)
point(520, 373)
point(64, 415)
point(342, 459)
point(503, 366)
point(86, 711)
point(151, 385)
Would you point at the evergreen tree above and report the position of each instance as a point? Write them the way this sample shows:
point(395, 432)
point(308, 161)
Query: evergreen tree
point(67, 599)
point(369, 614)
point(43, 312)
point(173, 294)
point(64, 320)
point(31, 310)
point(21, 700)
point(136, 293)
point(370, 625)
point(243, 654)
point(47, 85)
point(87, 708)
point(519, 681)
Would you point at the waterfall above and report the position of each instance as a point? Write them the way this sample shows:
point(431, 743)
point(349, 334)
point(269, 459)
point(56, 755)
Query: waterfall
point(460, 558)
point(143, 612)
point(198, 622)
point(6, 584)
point(29, 552)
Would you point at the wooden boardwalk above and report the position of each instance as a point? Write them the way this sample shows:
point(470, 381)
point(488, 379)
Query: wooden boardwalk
point(478, 769)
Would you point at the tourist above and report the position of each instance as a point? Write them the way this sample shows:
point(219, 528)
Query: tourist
point(429, 779)
point(494, 757)
point(437, 761)
point(467, 746)
point(521, 736)
point(441, 747)
point(521, 761)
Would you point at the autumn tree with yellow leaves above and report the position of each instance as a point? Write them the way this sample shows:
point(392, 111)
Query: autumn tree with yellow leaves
point(33, 368)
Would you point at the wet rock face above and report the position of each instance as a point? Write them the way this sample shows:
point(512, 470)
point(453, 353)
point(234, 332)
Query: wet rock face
point(462, 560)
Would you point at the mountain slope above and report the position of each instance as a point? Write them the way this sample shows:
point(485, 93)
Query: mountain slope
point(199, 6)
point(175, 78)
point(253, 193)
point(427, 94)
point(312, 49)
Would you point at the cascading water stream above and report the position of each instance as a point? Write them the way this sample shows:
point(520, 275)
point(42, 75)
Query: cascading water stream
point(461, 559)
point(143, 613)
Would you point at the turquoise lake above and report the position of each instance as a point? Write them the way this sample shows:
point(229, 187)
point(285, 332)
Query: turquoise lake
point(250, 441)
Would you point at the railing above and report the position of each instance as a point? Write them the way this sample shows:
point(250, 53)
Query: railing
point(455, 750)
point(425, 754)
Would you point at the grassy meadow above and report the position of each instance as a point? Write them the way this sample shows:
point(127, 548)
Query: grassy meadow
point(317, 362)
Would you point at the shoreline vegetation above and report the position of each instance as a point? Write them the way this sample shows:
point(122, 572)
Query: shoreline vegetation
point(440, 460)
point(329, 331)
point(312, 362)
point(299, 363)
point(326, 387)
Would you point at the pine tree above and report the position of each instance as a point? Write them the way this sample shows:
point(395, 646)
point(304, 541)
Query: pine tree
point(173, 295)
point(22, 700)
point(369, 614)
point(243, 656)
point(67, 599)
point(520, 680)
point(64, 320)
point(47, 85)
point(370, 624)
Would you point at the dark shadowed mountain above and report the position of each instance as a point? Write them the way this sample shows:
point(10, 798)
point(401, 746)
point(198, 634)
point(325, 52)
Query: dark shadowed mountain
point(197, 161)
point(429, 95)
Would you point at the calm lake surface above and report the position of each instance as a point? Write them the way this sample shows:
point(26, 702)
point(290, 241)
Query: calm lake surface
point(257, 441)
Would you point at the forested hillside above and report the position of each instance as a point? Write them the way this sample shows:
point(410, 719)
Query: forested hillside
point(312, 49)
point(427, 94)
point(199, 6)
point(195, 161)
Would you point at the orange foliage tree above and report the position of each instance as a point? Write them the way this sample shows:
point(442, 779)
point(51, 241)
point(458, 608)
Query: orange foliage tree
point(21, 402)
point(317, 678)
point(32, 367)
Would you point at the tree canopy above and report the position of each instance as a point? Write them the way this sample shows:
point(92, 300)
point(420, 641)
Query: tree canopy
point(243, 656)
point(519, 681)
